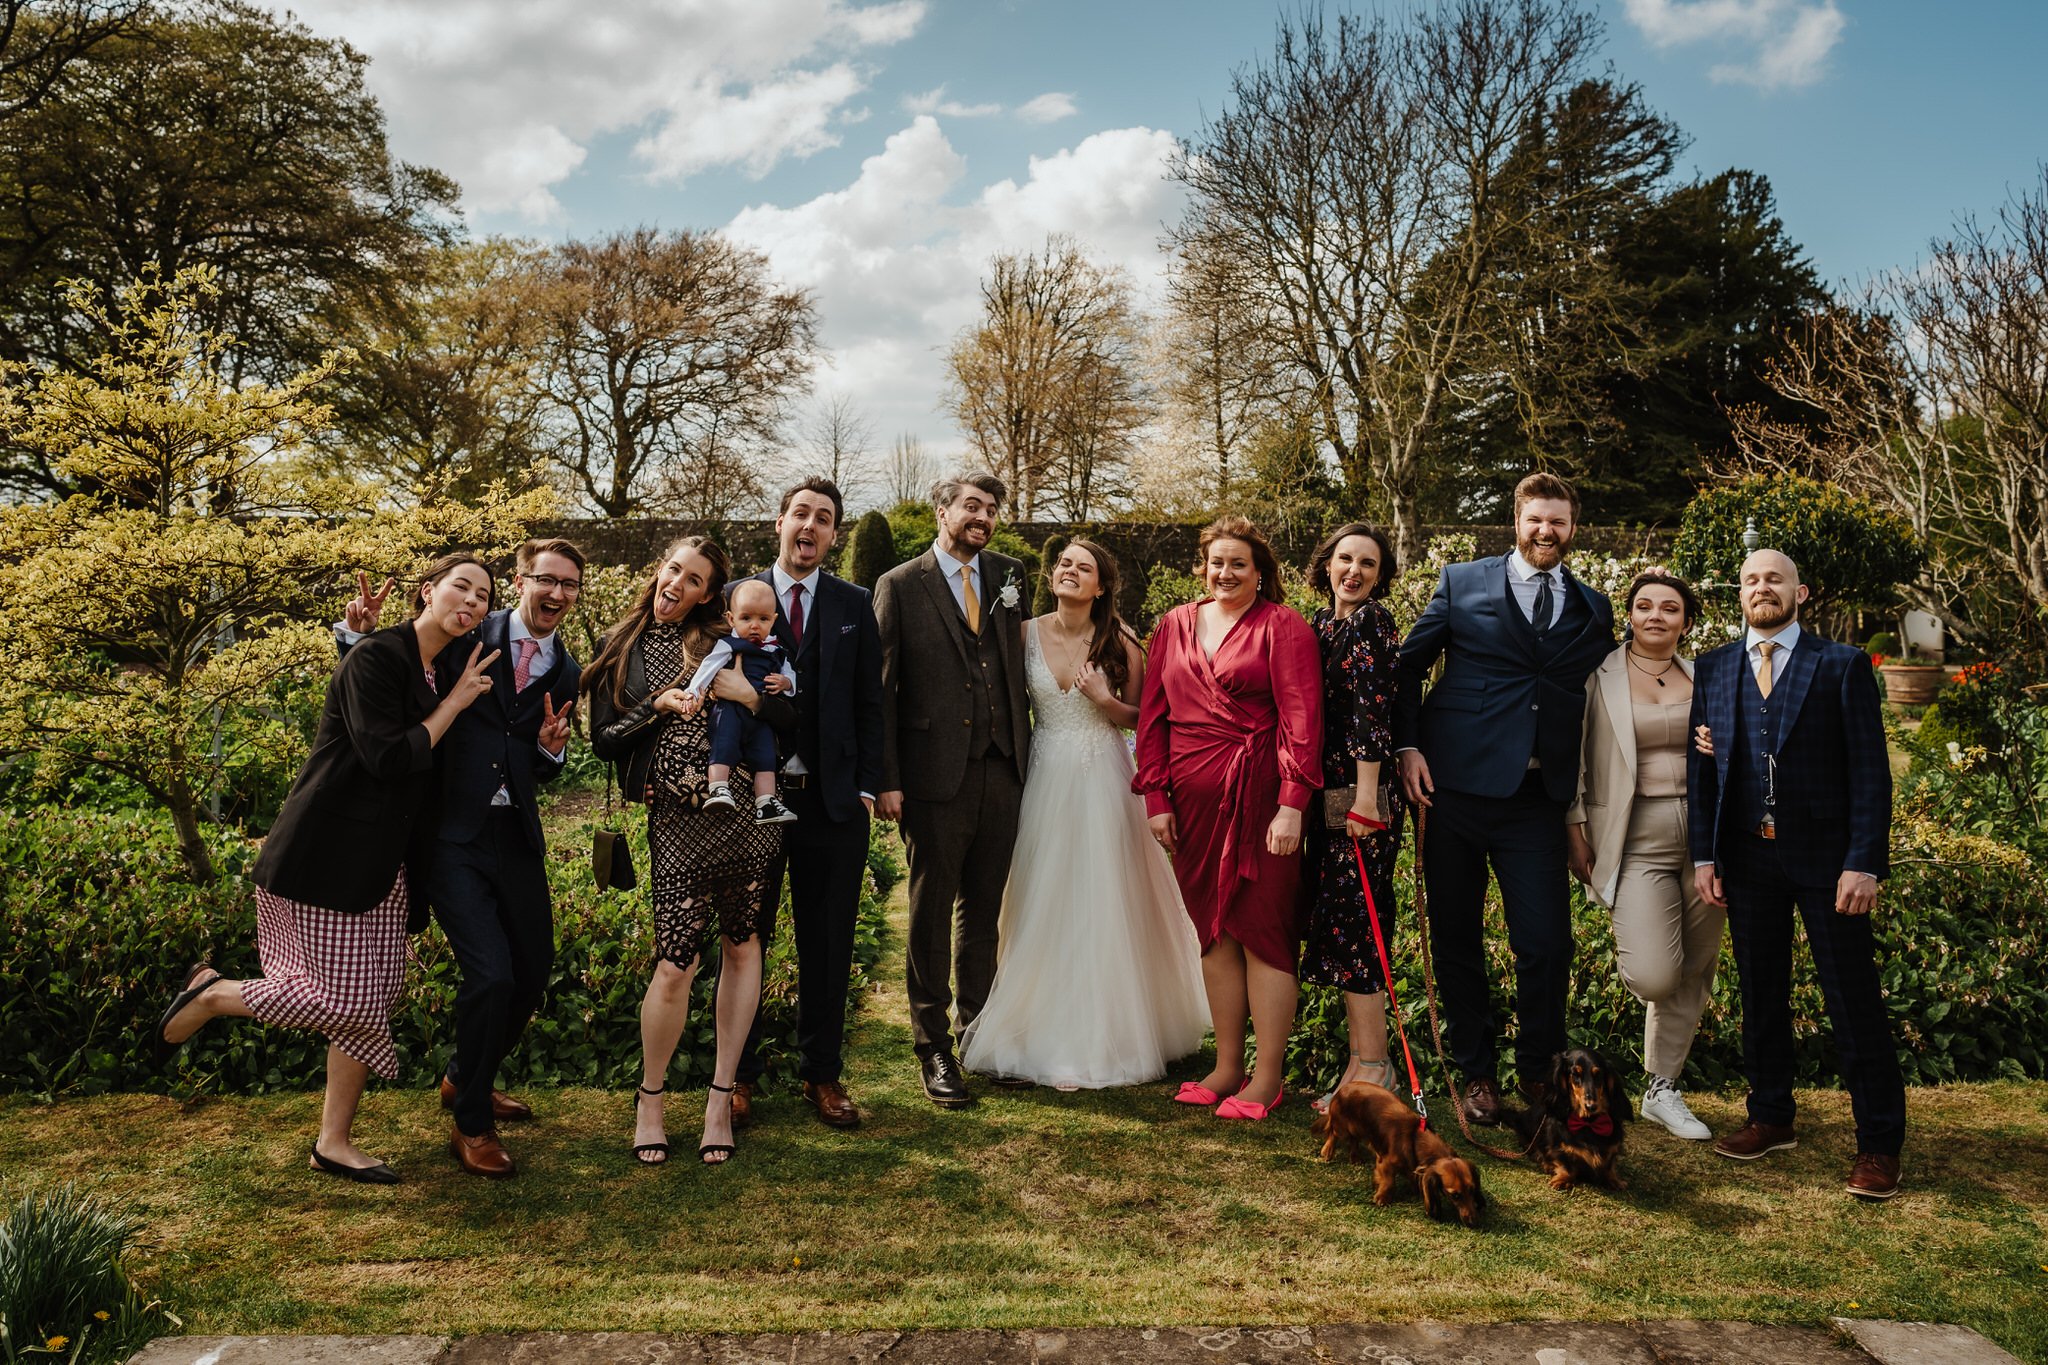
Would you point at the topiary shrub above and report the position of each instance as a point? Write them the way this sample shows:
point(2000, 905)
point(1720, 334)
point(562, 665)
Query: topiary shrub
point(873, 552)
point(1852, 554)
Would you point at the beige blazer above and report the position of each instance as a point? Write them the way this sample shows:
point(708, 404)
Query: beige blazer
point(1607, 770)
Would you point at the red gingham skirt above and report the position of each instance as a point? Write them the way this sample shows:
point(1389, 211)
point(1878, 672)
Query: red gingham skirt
point(336, 974)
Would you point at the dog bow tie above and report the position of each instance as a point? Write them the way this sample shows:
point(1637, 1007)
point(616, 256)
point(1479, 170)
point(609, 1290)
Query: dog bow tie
point(1600, 1125)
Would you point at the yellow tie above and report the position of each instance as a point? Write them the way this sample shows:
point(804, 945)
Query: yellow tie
point(1765, 648)
point(968, 600)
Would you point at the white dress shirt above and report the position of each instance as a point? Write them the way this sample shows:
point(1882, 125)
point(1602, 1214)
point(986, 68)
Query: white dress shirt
point(1787, 639)
point(1522, 576)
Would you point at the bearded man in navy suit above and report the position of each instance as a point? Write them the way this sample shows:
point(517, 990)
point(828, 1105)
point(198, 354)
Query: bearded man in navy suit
point(1791, 810)
point(1493, 756)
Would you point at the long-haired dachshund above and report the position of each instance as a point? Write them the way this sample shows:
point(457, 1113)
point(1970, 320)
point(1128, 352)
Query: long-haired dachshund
point(1575, 1132)
point(1362, 1115)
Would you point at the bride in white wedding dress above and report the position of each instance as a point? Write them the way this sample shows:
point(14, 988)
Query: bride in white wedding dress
point(1099, 977)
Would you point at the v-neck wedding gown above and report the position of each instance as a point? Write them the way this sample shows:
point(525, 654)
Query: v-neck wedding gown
point(1098, 978)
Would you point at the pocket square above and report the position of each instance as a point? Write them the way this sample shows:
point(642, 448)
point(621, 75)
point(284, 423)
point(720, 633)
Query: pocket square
point(846, 630)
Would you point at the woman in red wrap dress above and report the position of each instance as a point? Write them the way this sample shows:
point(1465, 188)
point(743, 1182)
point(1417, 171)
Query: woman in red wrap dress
point(1230, 732)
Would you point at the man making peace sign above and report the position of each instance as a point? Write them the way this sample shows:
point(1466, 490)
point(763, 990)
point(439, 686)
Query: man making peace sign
point(487, 881)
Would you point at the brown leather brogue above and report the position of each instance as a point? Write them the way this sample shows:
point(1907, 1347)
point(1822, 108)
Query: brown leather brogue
point(504, 1109)
point(1482, 1101)
point(483, 1154)
point(833, 1104)
point(742, 1105)
point(1874, 1176)
point(1754, 1139)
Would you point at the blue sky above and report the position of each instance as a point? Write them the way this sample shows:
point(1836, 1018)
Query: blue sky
point(880, 150)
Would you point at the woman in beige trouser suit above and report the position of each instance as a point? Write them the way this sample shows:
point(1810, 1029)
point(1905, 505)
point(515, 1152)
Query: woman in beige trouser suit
point(1627, 835)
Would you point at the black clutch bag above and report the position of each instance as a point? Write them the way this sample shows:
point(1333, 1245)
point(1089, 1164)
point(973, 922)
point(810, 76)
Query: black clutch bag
point(611, 856)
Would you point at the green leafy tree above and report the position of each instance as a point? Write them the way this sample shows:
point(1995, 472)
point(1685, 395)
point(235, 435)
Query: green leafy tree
point(1852, 554)
point(153, 620)
point(219, 135)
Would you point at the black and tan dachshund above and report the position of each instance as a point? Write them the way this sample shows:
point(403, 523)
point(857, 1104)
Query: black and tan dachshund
point(1575, 1132)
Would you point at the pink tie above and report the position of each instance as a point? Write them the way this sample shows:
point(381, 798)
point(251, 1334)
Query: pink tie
point(522, 671)
point(796, 610)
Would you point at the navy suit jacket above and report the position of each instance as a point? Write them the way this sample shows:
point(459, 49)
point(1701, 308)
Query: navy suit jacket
point(1834, 808)
point(839, 690)
point(1498, 702)
point(496, 741)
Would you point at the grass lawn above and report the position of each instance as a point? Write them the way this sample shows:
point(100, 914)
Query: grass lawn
point(1033, 1209)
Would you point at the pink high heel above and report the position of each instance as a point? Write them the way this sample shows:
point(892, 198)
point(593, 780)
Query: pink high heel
point(1238, 1107)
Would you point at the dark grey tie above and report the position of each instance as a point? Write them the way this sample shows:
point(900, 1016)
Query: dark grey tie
point(1546, 604)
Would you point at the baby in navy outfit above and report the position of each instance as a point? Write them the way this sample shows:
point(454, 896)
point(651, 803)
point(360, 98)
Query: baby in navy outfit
point(737, 734)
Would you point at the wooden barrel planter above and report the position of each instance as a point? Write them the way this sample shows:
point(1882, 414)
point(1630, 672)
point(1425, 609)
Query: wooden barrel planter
point(1913, 684)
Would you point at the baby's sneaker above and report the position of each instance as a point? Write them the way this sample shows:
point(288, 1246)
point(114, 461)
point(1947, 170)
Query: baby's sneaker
point(720, 797)
point(769, 810)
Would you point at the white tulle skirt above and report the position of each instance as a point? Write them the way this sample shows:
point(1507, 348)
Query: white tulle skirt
point(1099, 977)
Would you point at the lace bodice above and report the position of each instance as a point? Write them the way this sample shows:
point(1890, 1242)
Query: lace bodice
point(1065, 721)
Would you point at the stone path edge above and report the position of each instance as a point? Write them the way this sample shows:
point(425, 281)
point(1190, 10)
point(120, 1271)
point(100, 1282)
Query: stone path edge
point(1846, 1342)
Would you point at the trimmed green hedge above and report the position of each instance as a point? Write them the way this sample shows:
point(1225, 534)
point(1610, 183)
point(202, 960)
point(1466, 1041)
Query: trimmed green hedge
point(96, 926)
point(1963, 949)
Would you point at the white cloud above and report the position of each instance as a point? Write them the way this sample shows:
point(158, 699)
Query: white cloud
point(508, 95)
point(935, 102)
point(1050, 107)
point(895, 257)
point(1786, 42)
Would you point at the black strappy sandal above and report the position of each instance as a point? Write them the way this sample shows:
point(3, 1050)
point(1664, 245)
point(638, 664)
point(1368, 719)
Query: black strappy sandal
point(163, 1048)
point(659, 1149)
point(706, 1150)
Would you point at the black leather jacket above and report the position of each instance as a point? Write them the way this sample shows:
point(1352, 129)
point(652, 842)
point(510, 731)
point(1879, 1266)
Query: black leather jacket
point(625, 736)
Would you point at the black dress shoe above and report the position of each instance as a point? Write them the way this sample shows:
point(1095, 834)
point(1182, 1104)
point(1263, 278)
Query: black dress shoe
point(944, 1083)
point(379, 1174)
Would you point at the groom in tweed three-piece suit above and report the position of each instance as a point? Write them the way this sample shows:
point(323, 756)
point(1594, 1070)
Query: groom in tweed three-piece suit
point(956, 737)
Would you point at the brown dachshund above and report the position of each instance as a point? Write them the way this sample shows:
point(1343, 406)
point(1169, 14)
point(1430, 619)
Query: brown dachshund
point(1362, 1115)
point(1575, 1133)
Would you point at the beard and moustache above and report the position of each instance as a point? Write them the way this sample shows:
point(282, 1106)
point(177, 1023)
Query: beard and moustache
point(1768, 615)
point(1544, 549)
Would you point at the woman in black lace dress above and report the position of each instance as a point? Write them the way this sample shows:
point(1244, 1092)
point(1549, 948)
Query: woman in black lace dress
point(1353, 568)
point(709, 867)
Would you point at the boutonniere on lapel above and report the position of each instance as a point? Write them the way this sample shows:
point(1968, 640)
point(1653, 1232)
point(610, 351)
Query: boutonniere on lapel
point(1008, 595)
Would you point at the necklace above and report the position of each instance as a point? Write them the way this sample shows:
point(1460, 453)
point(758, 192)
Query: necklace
point(1067, 653)
point(1669, 664)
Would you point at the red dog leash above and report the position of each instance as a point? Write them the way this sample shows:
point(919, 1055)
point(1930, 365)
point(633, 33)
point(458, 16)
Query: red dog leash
point(1379, 940)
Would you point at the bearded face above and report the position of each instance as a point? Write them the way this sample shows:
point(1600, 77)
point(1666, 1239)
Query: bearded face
point(1544, 530)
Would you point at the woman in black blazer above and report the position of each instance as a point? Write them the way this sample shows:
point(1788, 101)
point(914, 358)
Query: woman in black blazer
point(710, 867)
point(331, 897)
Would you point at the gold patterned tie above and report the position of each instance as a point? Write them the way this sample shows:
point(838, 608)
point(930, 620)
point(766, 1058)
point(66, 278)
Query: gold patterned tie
point(1765, 648)
point(968, 600)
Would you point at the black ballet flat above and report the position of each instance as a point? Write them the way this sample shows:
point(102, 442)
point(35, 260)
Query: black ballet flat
point(707, 1150)
point(641, 1152)
point(161, 1045)
point(379, 1174)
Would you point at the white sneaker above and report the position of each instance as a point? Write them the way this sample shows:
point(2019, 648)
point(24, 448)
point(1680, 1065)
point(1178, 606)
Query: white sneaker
point(1664, 1103)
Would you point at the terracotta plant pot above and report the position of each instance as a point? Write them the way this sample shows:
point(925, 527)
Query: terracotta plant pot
point(1913, 684)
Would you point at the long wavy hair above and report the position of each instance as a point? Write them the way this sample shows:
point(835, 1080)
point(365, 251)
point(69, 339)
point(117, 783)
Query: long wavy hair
point(703, 621)
point(1112, 632)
